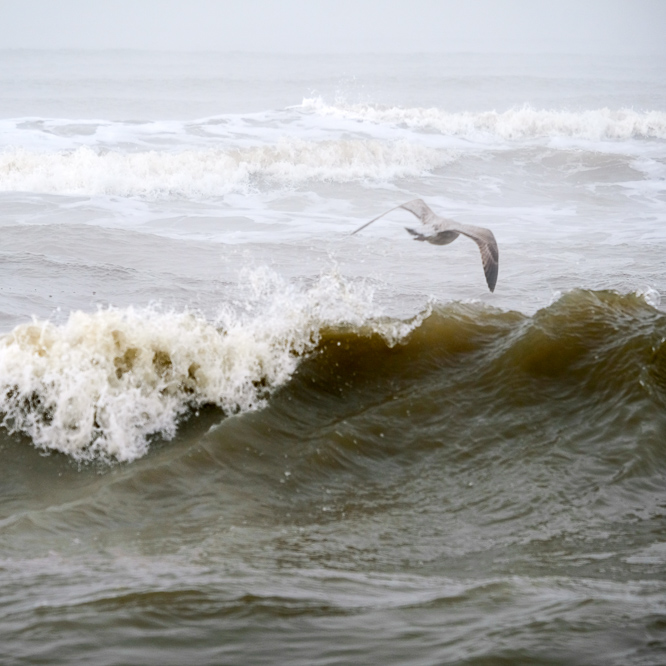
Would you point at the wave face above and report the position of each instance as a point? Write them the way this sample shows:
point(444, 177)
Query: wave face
point(99, 385)
point(588, 362)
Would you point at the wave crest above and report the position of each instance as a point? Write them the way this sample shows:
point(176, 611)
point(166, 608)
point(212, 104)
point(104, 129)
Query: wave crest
point(519, 123)
point(212, 172)
point(100, 384)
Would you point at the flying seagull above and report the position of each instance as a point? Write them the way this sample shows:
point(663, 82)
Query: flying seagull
point(442, 231)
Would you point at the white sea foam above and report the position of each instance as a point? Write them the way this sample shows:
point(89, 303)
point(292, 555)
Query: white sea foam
point(518, 123)
point(97, 386)
point(212, 172)
point(650, 295)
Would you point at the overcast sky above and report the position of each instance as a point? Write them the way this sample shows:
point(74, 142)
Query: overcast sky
point(335, 26)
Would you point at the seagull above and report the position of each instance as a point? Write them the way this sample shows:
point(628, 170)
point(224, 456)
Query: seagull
point(442, 231)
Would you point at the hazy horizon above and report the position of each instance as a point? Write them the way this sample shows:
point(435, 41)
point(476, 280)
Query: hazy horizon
point(369, 26)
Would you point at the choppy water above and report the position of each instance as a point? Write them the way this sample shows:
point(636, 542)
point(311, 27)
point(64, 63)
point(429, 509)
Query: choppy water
point(233, 433)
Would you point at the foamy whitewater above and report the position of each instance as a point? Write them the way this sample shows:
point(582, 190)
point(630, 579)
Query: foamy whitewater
point(228, 424)
point(101, 383)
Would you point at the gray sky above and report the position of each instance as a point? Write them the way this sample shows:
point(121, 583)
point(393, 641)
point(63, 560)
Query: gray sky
point(339, 26)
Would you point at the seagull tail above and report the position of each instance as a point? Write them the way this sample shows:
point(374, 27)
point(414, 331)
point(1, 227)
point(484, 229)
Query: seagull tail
point(416, 234)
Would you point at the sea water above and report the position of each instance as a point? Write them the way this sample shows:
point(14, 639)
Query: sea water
point(234, 433)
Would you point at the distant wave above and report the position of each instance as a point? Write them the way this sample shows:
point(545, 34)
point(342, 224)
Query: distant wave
point(211, 172)
point(99, 385)
point(520, 123)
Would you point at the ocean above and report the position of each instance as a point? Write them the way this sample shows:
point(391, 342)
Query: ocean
point(234, 433)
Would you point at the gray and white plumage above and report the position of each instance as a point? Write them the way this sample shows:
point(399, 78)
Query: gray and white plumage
point(442, 231)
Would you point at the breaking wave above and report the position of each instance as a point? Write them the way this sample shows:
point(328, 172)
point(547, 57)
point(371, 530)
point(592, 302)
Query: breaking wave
point(214, 171)
point(99, 385)
point(518, 123)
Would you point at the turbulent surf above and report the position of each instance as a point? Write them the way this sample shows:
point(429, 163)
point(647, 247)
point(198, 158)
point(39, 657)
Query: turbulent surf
point(233, 432)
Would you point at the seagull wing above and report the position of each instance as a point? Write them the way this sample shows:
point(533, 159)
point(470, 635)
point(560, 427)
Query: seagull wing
point(367, 224)
point(485, 239)
point(419, 208)
point(416, 207)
